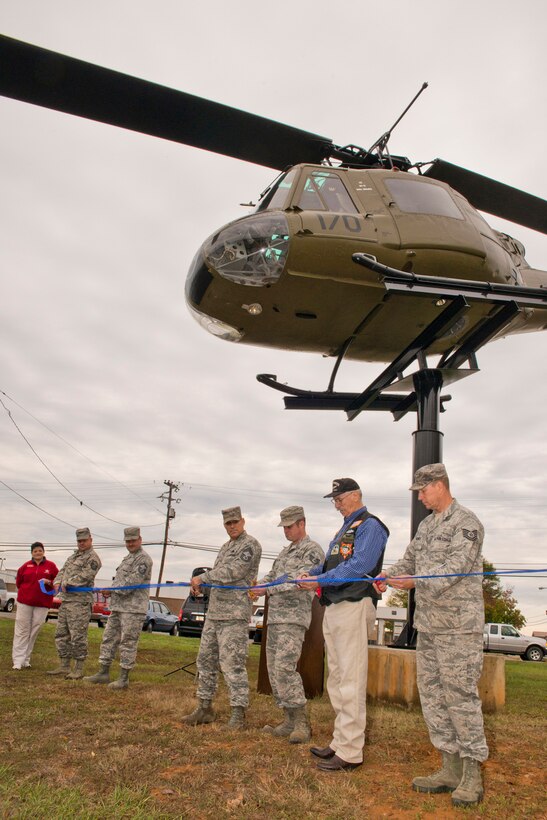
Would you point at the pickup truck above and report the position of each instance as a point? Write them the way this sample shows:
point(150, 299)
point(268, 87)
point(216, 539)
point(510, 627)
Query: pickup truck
point(506, 639)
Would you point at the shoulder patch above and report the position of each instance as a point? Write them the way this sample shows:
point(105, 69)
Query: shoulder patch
point(247, 554)
point(93, 564)
point(471, 535)
point(142, 569)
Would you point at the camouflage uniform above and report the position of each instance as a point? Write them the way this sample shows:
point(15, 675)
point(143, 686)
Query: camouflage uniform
point(450, 620)
point(225, 635)
point(127, 610)
point(79, 570)
point(289, 615)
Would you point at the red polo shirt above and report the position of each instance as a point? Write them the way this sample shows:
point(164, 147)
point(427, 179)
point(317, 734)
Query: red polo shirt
point(27, 581)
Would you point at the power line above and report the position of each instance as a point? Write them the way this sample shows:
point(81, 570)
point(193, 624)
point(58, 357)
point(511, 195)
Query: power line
point(36, 505)
point(50, 471)
point(83, 455)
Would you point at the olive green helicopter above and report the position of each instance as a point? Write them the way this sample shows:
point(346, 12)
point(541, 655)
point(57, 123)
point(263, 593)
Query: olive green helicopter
point(350, 253)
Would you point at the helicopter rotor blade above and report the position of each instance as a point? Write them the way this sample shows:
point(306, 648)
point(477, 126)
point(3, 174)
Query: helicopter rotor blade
point(46, 78)
point(491, 196)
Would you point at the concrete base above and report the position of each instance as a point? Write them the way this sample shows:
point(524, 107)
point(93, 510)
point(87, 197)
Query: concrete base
point(392, 678)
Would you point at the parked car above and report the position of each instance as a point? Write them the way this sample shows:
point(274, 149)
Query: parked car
point(99, 611)
point(506, 639)
point(192, 615)
point(159, 618)
point(259, 626)
point(7, 598)
point(193, 610)
point(256, 618)
point(53, 609)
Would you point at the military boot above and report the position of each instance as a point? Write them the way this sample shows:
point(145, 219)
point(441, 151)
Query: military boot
point(445, 780)
point(103, 676)
point(302, 729)
point(282, 729)
point(237, 718)
point(470, 790)
point(203, 713)
point(122, 682)
point(78, 671)
point(63, 669)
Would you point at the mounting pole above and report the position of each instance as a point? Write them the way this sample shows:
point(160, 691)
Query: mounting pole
point(428, 449)
point(168, 518)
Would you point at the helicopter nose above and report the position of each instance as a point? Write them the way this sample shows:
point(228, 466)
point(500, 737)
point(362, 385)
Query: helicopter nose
point(252, 251)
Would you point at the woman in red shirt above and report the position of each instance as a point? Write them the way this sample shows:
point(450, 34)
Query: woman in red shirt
point(32, 603)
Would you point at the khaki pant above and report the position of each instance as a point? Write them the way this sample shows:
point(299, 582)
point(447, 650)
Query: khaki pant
point(28, 620)
point(346, 628)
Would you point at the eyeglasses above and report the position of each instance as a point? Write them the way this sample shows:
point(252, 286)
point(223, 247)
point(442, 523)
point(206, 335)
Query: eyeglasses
point(341, 497)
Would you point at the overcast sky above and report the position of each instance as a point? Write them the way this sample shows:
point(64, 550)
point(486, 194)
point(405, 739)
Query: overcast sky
point(113, 383)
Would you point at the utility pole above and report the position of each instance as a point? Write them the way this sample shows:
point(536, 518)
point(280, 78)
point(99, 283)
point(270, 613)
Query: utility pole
point(167, 496)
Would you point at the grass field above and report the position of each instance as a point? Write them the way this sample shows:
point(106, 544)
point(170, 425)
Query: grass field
point(71, 750)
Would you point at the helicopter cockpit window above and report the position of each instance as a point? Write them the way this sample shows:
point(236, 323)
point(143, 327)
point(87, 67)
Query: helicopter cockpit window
point(416, 197)
point(324, 191)
point(276, 197)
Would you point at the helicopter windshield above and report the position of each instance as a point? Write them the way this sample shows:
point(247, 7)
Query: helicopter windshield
point(278, 193)
point(417, 197)
point(324, 191)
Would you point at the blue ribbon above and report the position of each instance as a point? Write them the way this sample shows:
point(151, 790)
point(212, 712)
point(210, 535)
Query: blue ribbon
point(284, 580)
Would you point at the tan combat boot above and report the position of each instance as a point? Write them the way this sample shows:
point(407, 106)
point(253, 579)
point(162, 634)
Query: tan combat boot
point(445, 780)
point(122, 682)
point(282, 729)
point(203, 713)
point(102, 676)
point(78, 671)
point(237, 718)
point(470, 790)
point(302, 729)
point(63, 669)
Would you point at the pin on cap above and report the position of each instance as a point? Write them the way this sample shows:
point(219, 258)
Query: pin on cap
point(342, 485)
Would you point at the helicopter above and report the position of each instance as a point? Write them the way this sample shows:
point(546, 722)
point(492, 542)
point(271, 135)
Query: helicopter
point(328, 257)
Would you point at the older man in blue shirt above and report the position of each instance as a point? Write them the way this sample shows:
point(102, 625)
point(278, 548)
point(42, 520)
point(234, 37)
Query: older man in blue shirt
point(356, 551)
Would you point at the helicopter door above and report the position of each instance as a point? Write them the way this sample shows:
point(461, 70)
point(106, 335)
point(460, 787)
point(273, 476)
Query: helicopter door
point(427, 216)
point(327, 209)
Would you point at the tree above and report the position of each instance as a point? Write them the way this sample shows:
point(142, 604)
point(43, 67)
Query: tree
point(398, 598)
point(500, 605)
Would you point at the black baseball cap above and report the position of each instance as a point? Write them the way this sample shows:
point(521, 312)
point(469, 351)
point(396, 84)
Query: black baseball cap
point(342, 485)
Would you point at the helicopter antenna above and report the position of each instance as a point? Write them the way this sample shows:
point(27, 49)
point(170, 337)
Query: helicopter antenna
point(381, 143)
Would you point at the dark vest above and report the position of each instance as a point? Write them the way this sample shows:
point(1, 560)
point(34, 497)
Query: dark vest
point(352, 591)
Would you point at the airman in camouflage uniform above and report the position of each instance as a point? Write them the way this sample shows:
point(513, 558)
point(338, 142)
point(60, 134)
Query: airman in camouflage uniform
point(450, 620)
point(127, 612)
point(79, 570)
point(289, 616)
point(225, 635)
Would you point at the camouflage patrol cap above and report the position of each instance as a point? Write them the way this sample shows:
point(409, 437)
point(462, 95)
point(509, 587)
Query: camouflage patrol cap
point(342, 485)
point(425, 475)
point(290, 515)
point(131, 533)
point(82, 534)
point(231, 514)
